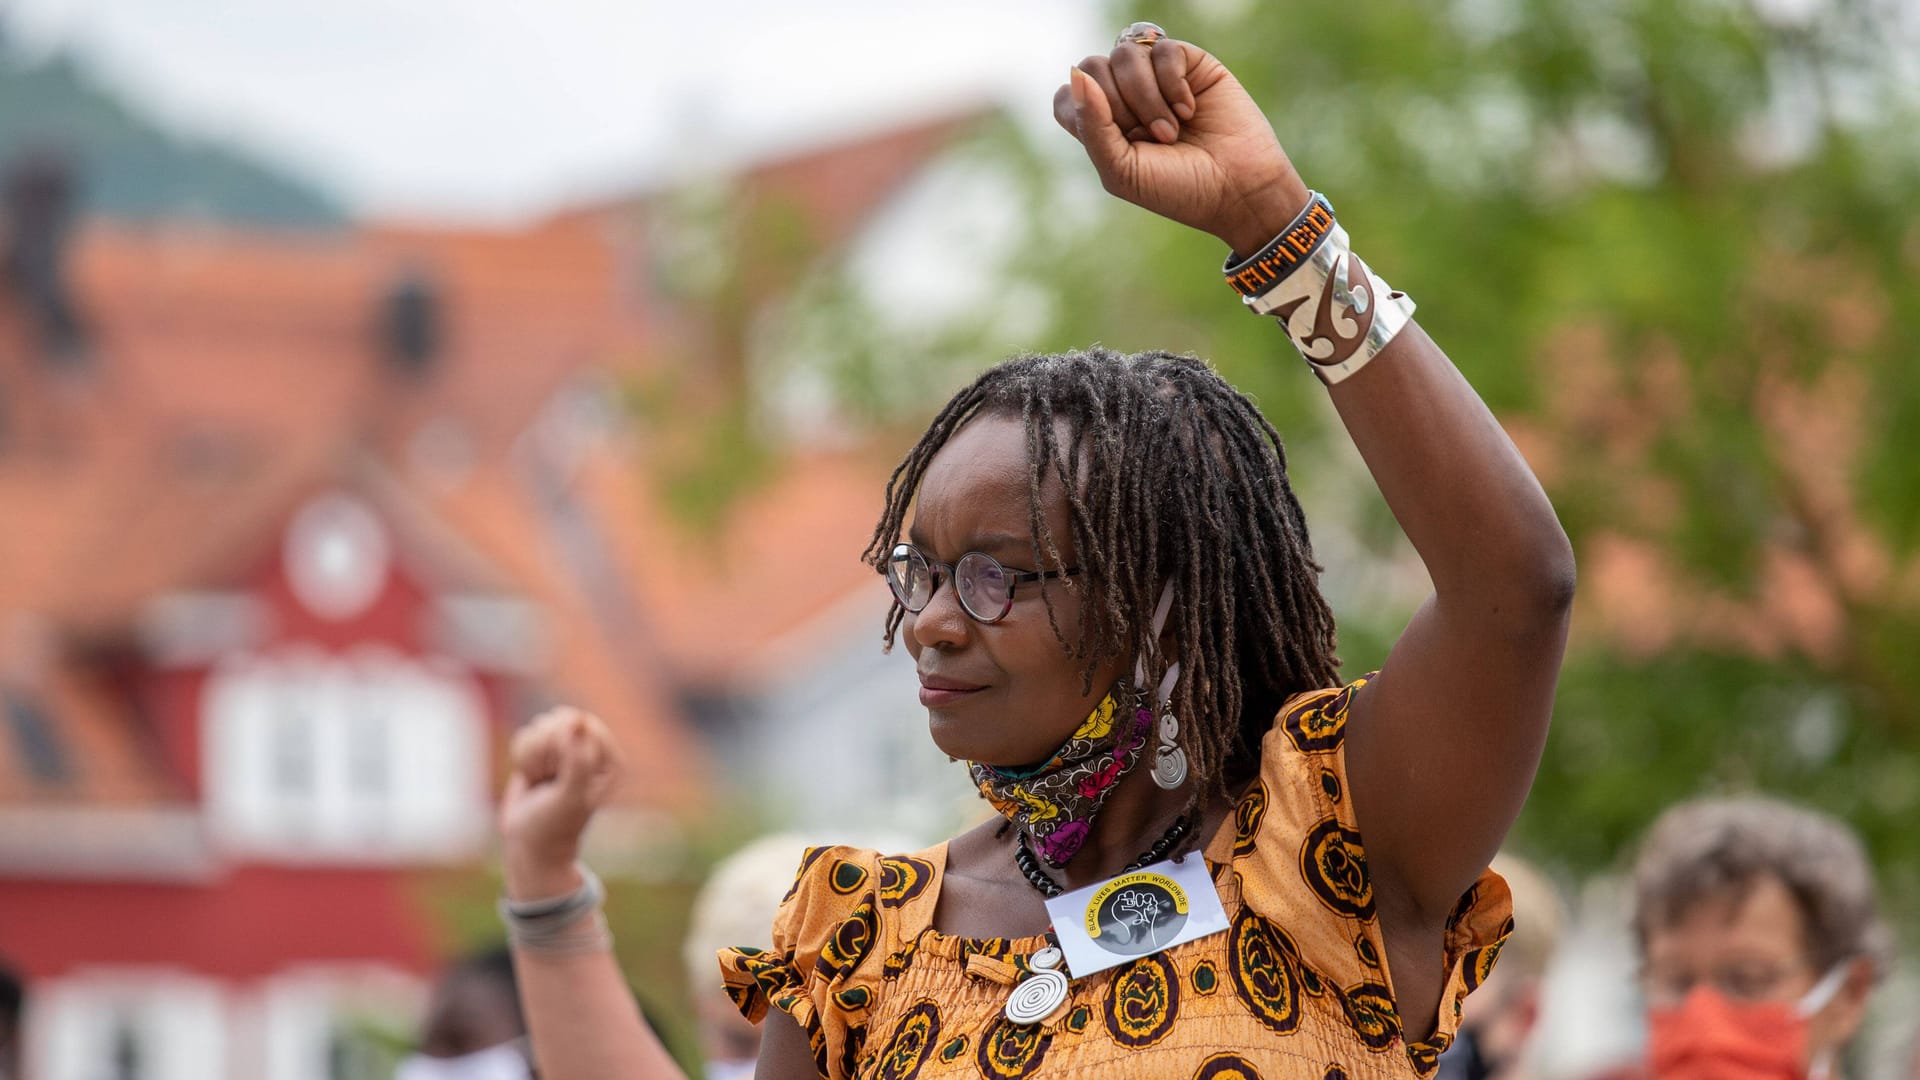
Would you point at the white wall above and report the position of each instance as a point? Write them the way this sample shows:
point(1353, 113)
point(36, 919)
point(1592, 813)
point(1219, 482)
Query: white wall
point(168, 1024)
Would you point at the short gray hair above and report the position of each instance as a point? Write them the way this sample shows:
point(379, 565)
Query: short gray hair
point(1719, 847)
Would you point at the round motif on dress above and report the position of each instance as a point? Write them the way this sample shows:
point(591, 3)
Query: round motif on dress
point(773, 976)
point(1369, 955)
point(1463, 905)
point(1479, 964)
point(902, 879)
point(850, 1050)
point(1311, 982)
point(1143, 1001)
point(1078, 1019)
point(996, 948)
point(817, 1041)
point(847, 877)
point(806, 863)
point(1009, 1051)
point(1370, 1012)
point(1426, 1055)
point(898, 962)
point(1247, 815)
point(1263, 974)
point(911, 1043)
point(1205, 978)
point(1317, 725)
point(849, 942)
point(1226, 1067)
point(854, 999)
point(954, 1049)
point(1334, 864)
point(1330, 784)
point(1334, 1072)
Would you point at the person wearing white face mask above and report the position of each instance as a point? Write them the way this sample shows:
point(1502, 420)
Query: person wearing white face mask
point(473, 1029)
point(1760, 940)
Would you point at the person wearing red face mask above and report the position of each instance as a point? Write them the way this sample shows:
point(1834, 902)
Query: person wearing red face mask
point(1760, 940)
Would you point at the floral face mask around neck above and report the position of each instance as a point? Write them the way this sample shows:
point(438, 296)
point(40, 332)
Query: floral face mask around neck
point(1055, 804)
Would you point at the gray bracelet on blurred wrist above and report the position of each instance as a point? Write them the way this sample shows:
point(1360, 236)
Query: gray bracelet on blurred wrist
point(552, 924)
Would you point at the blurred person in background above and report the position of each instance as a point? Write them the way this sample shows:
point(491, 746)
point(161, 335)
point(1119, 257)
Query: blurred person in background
point(473, 1029)
point(736, 906)
point(1760, 940)
point(1497, 1025)
point(1158, 607)
point(13, 1007)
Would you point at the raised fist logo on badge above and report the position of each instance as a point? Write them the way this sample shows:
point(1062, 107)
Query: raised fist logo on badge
point(1142, 917)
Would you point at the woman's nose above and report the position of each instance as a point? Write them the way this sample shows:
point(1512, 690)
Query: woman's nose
point(943, 623)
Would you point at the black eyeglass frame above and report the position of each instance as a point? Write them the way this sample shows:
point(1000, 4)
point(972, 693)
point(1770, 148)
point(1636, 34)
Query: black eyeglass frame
point(937, 571)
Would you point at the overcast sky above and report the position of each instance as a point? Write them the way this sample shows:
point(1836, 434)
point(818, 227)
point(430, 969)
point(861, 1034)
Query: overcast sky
point(486, 109)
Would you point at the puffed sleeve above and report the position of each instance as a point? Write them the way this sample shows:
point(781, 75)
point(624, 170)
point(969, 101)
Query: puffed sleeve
point(824, 963)
point(1299, 862)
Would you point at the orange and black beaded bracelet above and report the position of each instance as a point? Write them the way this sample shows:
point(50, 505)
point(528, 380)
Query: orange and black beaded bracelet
point(1285, 253)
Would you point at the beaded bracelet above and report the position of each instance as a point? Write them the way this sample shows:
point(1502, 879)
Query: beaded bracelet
point(1333, 307)
point(1284, 253)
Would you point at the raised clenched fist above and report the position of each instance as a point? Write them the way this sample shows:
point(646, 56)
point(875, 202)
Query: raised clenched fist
point(565, 766)
point(1168, 128)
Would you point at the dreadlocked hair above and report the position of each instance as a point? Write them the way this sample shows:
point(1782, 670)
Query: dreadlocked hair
point(1170, 474)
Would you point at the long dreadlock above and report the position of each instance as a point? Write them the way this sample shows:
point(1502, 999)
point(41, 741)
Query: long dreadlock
point(1171, 474)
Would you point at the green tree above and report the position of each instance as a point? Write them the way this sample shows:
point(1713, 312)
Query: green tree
point(1672, 243)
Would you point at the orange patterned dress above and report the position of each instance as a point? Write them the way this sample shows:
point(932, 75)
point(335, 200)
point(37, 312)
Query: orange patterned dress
point(1297, 987)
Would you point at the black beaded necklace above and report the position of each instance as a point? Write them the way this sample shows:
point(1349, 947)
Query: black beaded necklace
point(1040, 880)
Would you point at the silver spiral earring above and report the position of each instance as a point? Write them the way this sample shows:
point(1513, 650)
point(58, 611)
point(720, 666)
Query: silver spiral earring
point(1169, 762)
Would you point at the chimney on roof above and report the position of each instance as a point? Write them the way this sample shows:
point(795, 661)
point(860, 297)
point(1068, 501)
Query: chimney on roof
point(410, 325)
point(39, 213)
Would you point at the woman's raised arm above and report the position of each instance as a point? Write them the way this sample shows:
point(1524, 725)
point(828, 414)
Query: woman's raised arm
point(1442, 746)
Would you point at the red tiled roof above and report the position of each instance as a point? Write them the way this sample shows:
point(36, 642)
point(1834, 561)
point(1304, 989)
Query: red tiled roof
point(231, 372)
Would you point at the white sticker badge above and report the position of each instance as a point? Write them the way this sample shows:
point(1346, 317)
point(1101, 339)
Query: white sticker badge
point(1140, 912)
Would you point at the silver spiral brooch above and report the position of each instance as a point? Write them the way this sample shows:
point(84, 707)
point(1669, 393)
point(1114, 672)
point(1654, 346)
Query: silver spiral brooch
point(1041, 992)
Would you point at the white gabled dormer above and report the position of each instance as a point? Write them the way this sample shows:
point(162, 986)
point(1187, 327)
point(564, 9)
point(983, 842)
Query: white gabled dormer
point(367, 756)
point(370, 747)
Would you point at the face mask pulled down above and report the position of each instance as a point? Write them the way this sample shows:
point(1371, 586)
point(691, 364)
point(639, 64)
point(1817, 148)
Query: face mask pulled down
point(1055, 804)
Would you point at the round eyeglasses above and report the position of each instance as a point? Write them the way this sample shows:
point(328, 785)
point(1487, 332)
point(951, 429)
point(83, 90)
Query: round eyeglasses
point(985, 587)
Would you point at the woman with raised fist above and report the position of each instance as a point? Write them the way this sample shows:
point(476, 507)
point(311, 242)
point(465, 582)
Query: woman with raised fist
point(1214, 855)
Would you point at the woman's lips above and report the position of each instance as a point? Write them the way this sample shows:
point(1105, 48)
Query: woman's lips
point(935, 698)
point(939, 693)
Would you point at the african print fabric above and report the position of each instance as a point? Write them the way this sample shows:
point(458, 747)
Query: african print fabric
point(1055, 803)
point(1297, 988)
